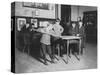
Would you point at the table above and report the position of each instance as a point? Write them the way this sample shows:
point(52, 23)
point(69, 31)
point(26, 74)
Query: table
point(67, 39)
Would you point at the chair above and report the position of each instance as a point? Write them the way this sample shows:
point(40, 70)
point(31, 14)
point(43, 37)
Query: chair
point(75, 47)
point(57, 44)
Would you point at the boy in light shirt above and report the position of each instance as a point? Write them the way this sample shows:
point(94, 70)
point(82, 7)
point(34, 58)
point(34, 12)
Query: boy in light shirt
point(46, 42)
point(47, 31)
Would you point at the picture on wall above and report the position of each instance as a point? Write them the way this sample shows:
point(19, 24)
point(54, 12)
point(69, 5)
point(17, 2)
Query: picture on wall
point(20, 23)
point(34, 22)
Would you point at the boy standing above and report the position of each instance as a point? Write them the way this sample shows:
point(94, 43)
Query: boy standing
point(46, 42)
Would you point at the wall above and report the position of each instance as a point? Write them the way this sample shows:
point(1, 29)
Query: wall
point(74, 13)
point(78, 11)
point(59, 11)
point(30, 12)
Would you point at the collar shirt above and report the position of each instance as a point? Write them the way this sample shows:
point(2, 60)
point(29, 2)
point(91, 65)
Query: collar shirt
point(58, 29)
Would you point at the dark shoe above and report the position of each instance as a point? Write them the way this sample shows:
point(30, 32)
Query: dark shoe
point(82, 52)
point(61, 55)
point(45, 63)
point(52, 61)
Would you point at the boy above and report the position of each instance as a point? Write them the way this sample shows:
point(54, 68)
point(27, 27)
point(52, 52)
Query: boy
point(46, 41)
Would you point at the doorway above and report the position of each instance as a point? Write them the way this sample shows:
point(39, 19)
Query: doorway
point(65, 17)
point(90, 22)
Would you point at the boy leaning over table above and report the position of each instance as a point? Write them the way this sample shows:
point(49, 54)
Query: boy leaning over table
point(46, 41)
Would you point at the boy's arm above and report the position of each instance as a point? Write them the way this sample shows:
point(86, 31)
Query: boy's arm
point(62, 29)
point(53, 33)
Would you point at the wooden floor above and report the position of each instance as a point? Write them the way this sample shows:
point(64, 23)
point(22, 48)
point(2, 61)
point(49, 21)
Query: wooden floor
point(28, 64)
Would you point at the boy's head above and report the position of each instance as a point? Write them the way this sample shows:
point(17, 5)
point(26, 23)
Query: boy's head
point(73, 25)
point(57, 21)
point(79, 19)
point(27, 25)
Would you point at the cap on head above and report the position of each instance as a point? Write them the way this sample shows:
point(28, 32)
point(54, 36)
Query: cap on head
point(57, 20)
point(79, 18)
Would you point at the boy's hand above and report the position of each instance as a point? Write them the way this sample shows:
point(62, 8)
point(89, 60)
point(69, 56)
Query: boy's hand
point(77, 35)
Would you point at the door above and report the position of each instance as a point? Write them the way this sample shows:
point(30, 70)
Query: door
point(65, 17)
point(90, 22)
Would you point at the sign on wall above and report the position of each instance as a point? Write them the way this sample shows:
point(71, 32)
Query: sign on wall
point(36, 5)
